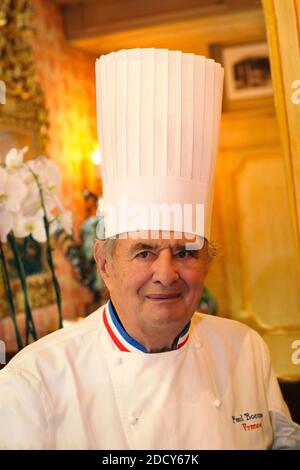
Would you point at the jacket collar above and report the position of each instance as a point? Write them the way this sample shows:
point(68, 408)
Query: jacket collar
point(123, 341)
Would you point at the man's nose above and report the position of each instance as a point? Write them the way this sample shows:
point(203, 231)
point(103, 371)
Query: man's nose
point(164, 269)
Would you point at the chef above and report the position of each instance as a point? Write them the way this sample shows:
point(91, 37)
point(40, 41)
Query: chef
point(145, 371)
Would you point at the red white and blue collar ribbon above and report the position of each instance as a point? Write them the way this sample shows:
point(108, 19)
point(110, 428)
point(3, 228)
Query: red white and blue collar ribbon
point(121, 338)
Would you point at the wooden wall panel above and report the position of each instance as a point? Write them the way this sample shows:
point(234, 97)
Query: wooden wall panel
point(282, 22)
point(255, 278)
point(283, 31)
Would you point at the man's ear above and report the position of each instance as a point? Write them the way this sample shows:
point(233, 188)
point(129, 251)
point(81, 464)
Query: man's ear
point(102, 262)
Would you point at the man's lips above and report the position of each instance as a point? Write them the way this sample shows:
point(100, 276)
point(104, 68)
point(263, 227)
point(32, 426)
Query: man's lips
point(169, 296)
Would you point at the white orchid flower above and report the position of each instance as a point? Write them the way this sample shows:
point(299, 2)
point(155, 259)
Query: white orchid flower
point(57, 213)
point(47, 172)
point(34, 226)
point(12, 191)
point(6, 224)
point(21, 207)
point(14, 158)
point(65, 219)
point(32, 204)
point(53, 205)
point(53, 226)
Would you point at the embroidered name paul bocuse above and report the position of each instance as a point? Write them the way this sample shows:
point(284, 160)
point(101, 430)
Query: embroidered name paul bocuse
point(248, 417)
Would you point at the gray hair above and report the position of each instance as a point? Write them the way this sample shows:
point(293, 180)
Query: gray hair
point(109, 247)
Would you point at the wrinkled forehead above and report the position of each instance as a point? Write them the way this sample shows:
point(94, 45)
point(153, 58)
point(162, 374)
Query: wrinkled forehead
point(161, 239)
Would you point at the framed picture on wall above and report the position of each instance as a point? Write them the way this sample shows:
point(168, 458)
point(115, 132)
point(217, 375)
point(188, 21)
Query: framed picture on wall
point(247, 74)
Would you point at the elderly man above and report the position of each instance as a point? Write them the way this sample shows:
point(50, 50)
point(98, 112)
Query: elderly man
point(161, 280)
point(145, 371)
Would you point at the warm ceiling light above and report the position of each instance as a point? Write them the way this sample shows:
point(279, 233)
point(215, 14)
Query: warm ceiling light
point(96, 157)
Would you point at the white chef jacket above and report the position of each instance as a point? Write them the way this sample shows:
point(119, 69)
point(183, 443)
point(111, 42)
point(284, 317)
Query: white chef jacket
point(75, 389)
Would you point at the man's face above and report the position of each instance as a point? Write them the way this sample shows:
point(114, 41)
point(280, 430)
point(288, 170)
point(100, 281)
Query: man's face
point(155, 284)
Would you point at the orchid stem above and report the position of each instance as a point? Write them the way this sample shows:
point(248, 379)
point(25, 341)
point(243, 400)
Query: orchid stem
point(49, 254)
point(54, 278)
point(30, 328)
point(9, 296)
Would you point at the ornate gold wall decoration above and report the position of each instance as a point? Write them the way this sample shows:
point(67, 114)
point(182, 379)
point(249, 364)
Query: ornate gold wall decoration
point(25, 104)
point(23, 120)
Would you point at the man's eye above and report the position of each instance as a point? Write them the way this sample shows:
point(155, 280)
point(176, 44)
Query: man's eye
point(183, 254)
point(143, 254)
point(187, 254)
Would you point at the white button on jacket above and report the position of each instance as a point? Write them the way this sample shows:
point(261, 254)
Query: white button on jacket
point(117, 361)
point(70, 390)
point(132, 420)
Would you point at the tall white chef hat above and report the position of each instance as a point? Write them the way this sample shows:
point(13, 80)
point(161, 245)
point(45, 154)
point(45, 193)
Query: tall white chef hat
point(158, 123)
